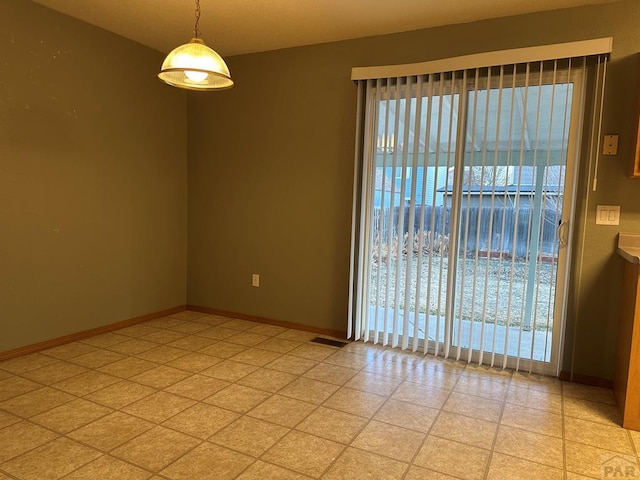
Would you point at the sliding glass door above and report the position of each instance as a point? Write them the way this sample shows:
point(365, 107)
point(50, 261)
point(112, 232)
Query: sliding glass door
point(467, 195)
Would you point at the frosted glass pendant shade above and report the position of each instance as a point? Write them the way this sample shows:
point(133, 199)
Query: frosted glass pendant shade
point(195, 66)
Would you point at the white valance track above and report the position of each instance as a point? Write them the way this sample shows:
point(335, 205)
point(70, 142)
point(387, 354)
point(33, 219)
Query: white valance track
point(489, 59)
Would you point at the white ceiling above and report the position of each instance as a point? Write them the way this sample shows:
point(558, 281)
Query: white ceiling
point(234, 27)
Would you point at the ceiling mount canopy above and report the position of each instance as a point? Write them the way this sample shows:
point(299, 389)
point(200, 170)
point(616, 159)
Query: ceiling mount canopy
point(194, 66)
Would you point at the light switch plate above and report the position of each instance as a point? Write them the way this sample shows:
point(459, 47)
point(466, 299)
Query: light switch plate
point(608, 215)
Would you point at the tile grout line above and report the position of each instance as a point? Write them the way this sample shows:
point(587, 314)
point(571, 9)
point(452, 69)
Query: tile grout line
point(295, 427)
point(428, 434)
point(388, 397)
point(368, 419)
point(564, 435)
point(345, 446)
point(498, 423)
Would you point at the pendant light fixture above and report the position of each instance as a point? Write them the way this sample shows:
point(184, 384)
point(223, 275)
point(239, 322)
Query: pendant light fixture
point(195, 66)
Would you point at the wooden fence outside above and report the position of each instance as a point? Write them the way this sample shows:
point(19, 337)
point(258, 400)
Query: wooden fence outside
point(491, 238)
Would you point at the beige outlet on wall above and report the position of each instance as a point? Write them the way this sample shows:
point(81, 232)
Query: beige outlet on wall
point(255, 280)
point(610, 145)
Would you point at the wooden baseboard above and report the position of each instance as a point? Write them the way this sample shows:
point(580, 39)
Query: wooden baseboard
point(586, 380)
point(73, 337)
point(280, 323)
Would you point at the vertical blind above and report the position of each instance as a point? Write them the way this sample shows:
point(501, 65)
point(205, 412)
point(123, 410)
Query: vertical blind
point(464, 188)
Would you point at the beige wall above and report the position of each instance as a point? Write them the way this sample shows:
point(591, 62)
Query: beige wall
point(92, 178)
point(271, 173)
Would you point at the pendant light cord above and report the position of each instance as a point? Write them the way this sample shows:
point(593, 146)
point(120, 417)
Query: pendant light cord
point(196, 29)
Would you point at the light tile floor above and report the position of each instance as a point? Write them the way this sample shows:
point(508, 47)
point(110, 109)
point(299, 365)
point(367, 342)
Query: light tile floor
point(198, 397)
